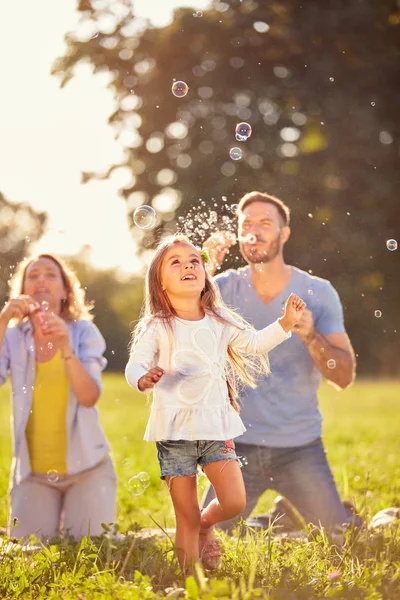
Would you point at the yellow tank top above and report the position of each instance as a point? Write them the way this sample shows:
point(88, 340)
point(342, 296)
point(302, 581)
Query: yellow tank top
point(46, 431)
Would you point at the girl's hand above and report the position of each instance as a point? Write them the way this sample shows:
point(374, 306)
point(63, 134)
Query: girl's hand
point(18, 308)
point(293, 311)
point(148, 381)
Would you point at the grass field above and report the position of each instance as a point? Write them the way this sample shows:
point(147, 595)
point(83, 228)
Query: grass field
point(361, 435)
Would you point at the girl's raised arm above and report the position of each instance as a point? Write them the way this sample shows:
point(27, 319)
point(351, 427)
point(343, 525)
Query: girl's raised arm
point(258, 342)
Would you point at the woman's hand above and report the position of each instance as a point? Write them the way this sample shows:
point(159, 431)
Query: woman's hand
point(18, 308)
point(149, 379)
point(293, 311)
point(58, 329)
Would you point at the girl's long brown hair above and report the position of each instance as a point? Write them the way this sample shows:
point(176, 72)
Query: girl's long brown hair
point(75, 306)
point(239, 367)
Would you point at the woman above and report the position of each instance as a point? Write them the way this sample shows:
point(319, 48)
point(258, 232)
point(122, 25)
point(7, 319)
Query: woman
point(62, 475)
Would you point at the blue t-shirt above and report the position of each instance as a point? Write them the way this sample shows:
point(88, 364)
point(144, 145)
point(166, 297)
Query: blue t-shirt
point(282, 411)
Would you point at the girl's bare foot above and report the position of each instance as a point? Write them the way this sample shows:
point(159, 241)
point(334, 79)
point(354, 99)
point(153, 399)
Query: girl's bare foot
point(210, 549)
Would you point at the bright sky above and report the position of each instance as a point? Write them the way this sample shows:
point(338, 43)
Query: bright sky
point(48, 135)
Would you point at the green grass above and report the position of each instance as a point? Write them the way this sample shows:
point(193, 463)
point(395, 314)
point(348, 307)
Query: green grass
point(362, 438)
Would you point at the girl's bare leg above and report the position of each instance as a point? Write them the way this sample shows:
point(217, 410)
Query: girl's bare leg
point(226, 478)
point(183, 490)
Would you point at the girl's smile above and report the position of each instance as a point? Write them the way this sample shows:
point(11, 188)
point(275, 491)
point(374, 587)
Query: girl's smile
point(182, 270)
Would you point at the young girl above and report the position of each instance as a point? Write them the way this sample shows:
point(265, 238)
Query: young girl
point(190, 345)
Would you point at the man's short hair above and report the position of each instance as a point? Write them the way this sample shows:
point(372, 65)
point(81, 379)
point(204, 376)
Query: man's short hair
point(251, 197)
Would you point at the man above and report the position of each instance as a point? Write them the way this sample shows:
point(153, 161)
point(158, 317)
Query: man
point(282, 444)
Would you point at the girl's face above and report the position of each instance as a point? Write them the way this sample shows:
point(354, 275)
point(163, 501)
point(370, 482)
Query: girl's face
point(182, 271)
point(44, 283)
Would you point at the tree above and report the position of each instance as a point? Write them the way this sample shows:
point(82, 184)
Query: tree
point(317, 82)
point(20, 226)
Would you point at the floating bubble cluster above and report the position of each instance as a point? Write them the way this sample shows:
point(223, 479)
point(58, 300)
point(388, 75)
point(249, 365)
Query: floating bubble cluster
point(179, 89)
point(145, 217)
point(235, 153)
point(391, 245)
point(139, 483)
point(201, 222)
point(243, 132)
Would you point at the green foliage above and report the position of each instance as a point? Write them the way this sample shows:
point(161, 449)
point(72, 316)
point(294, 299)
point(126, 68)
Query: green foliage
point(20, 226)
point(325, 71)
point(363, 446)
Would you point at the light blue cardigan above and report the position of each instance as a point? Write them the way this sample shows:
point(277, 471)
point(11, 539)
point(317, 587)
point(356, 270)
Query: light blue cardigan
point(86, 442)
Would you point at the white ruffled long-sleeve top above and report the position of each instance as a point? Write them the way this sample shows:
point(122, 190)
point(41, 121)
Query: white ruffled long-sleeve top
point(191, 401)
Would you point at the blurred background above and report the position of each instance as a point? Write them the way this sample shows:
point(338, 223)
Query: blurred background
point(90, 131)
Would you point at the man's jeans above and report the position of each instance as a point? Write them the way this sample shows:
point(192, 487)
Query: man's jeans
point(300, 474)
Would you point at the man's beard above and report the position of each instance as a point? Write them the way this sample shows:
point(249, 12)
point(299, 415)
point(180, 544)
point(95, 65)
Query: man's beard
point(254, 255)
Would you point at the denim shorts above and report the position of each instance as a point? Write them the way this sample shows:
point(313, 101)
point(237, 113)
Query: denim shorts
point(181, 457)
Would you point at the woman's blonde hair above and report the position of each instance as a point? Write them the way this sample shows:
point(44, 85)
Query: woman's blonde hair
point(239, 368)
point(74, 307)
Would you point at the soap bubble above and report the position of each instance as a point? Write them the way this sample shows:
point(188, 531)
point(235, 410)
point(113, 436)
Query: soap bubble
point(179, 89)
point(144, 479)
point(331, 363)
point(50, 346)
point(45, 305)
point(234, 208)
point(52, 475)
point(310, 292)
point(145, 217)
point(198, 14)
point(135, 486)
point(243, 461)
point(243, 132)
point(250, 238)
point(378, 314)
point(235, 153)
point(391, 245)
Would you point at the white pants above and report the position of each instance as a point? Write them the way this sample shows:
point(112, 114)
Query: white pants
point(75, 504)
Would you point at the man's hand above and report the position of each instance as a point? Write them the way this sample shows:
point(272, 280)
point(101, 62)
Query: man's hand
point(217, 247)
point(305, 328)
point(293, 312)
point(149, 379)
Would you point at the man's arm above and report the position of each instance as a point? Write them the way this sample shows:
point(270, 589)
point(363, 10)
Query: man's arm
point(333, 354)
point(217, 246)
point(334, 347)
